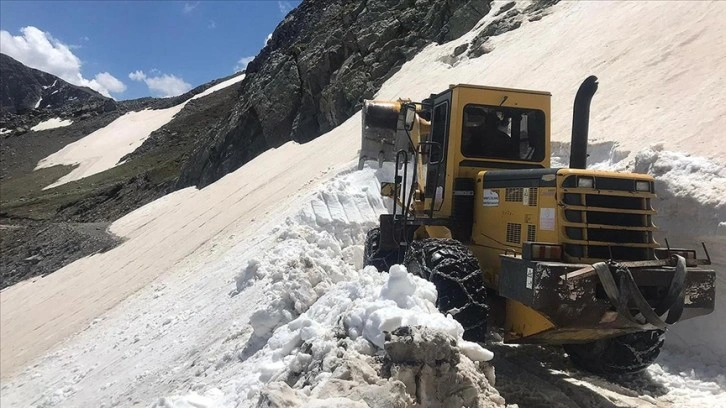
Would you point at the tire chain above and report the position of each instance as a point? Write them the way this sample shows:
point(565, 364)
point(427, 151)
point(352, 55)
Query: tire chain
point(442, 262)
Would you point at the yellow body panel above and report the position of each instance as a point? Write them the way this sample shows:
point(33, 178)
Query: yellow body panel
point(522, 321)
point(494, 208)
point(463, 95)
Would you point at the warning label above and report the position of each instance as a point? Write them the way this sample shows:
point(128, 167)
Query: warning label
point(547, 219)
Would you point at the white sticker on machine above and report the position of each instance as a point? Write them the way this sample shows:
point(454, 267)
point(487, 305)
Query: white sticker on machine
point(490, 198)
point(547, 219)
point(529, 278)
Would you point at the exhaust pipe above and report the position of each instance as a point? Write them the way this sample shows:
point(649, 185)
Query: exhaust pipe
point(581, 123)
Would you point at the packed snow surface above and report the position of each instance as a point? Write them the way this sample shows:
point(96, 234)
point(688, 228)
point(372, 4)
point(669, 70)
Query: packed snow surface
point(657, 69)
point(254, 286)
point(102, 149)
point(51, 124)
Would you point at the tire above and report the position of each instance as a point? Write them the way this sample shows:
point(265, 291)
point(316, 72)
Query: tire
point(455, 272)
point(626, 354)
point(374, 256)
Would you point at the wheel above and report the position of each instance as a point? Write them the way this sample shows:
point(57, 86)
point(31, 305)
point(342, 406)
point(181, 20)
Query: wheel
point(455, 272)
point(374, 256)
point(629, 353)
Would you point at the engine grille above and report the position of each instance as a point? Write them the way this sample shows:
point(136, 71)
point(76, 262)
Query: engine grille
point(525, 195)
point(514, 233)
point(616, 223)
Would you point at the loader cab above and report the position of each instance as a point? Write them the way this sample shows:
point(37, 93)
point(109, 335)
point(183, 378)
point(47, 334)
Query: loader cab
point(476, 128)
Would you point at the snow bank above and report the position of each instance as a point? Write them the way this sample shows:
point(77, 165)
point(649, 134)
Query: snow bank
point(4, 131)
point(51, 124)
point(321, 305)
point(691, 190)
point(102, 149)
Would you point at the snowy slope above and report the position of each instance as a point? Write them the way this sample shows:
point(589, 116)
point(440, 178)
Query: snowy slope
point(102, 149)
point(217, 292)
point(659, 70)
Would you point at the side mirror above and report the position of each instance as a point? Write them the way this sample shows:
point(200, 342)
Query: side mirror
point(410, 116)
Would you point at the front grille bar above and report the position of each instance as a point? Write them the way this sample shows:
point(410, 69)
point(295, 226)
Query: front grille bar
point(593, 231)
point(636, 194)
point(608, 210)
point(605, 226)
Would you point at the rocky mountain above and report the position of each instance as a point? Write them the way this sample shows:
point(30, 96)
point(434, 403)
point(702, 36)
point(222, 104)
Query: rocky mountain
point(28, 95)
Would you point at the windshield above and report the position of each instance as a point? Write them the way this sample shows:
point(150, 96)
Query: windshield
point(503, 133)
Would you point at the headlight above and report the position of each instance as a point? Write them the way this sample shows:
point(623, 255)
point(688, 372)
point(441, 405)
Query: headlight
point(585, 182)
point(642, 186)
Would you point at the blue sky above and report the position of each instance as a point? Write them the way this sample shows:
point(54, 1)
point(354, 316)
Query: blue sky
point(130, 49)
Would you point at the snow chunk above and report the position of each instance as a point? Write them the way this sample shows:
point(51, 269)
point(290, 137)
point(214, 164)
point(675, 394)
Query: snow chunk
point(474, 351)
point(399, 286)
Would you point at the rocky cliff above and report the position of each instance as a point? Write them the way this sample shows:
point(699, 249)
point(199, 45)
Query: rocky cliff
point(322, 60)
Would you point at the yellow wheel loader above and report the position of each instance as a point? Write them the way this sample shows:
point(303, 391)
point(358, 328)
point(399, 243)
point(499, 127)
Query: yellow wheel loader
point(561, 256)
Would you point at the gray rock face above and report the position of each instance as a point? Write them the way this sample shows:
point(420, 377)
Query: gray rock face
point(507, 19)
point(322, 60)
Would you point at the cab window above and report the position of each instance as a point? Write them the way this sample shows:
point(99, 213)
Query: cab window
point(503, 133)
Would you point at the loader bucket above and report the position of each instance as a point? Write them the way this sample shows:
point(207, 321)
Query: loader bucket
point(382, 126)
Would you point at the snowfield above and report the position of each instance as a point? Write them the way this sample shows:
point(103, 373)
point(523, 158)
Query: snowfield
point(252, 289)
point(51, 123)
point(102, 149)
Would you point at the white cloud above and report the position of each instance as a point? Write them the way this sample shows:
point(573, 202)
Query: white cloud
point(284, 6)
point(189, 6)
point(212, 25)
point(268, 38)
point(242, 63)
point(163, 85)
point(108, 81)
point(39, 50)
point(137, 75)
